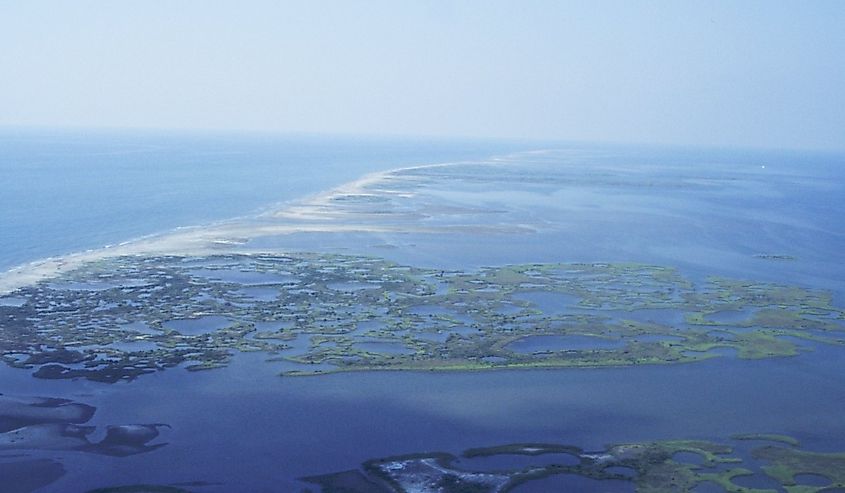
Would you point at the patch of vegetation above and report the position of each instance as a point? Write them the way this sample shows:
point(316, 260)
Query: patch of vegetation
point(120, 318)
point(654, 465)
point(768, 437)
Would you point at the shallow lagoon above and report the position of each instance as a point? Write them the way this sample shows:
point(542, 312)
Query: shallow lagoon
point(199, 325)
point(292, 427)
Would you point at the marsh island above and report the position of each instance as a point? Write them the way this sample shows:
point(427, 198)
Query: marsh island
point(311, 313)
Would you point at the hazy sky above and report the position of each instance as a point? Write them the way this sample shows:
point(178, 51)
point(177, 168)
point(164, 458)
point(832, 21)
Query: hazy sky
point(737, 72)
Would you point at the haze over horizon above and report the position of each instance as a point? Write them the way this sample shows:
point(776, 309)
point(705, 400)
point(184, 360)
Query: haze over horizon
point(716, 73)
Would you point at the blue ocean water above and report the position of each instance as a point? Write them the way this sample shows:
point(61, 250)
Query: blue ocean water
point(245, 429)
point(64, 191)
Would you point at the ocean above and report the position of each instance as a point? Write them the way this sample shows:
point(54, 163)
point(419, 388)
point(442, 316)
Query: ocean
point(65, 191)
point(648, 249)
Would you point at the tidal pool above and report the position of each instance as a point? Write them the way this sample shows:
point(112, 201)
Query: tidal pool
point(811, 480)
point(199, 325)
point(352, 286)
point(445, 334)
point(133, 346)
point(248, 278)
point(548, 302)
point(259, 293)
point(758, 481)
point(669, 317)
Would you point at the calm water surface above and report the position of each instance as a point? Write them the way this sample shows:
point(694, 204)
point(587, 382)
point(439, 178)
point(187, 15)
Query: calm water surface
point(64, 191)
point(250, 430)
point(245, 426)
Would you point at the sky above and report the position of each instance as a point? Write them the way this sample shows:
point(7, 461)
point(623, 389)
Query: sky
point(712, 73)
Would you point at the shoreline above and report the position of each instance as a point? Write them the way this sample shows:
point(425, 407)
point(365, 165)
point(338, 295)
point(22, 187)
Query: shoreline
point(314, 213)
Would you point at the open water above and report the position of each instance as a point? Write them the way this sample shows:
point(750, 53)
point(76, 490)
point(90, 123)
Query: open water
point(243, 428)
